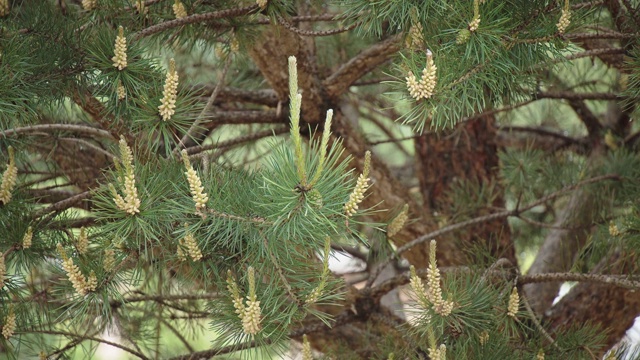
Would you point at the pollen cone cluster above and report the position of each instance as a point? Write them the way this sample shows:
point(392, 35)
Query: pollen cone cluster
point(179, 10)
point(362, 184)
point(120, 57)
point(251, 314)
point(131, 202)
point(423, 88)
point(9, 178)
point(168, 103)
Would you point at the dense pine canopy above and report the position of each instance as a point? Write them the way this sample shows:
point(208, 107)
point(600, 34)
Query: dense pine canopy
point(181, 177)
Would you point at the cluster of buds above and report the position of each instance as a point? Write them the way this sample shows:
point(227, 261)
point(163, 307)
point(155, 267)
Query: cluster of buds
point(463, 36)
point(307, 354)
point(130, 203)
point(3, 270)
point(191, 245)
point(179, 10)
point(484, 337)
point(121, 91)
point(540, 355)
point(195, 184)
point(613, 229)
point(9, 326)
point(120, 57)
point(432, 296)
point(398, 222)
point(9, 178)
point(475, 22)
point(80, 283)
point(250, 315)
point(168, 103)
point(295, 102)
point(89, 4)
point(326, 134)
point(514, 303)
point(4, 8)
point(319, 290)
point(415, 39)
point(141, 7)
point(262, 4)
point(362, 184)
point(438, 353)
point(423, 88)
point(109, 260)
point(27, 238)
point(565, 18)
point(234, 44)
point(82, 244)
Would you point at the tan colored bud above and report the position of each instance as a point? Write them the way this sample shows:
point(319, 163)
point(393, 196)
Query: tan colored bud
point(178, 10)
point(170, 94)
point(120, 57)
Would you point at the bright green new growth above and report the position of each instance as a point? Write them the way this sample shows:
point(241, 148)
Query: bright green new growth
point(323, 147)
point(318, 291)
point(295, 100)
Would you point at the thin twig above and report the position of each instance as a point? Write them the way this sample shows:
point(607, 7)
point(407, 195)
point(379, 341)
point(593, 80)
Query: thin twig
point(210, 101)
point(196, 18)
point(207, 296)
point(63, 204)
point(315, 326)
point(535, 320)
point(195, 150)
point(620, 281)
point(85, 337)
point(58, 127)
point(282, 21)
point(485, 218)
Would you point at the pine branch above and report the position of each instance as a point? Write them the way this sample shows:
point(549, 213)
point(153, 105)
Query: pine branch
point(616, 280)
point(282, 21)
point(587, 117)
point(243, 117)
point(196, 18)
point(544, 132)
point(309, 328)
point(86, 337)
point(568, 95)
point(592, 36)
point(266, 97)
point(485, 218)
point(63, 204)
point(593, 53)
point(367, 60)
point(116, 303)
point(190, 133)
point(196, 150)
point(82, 129)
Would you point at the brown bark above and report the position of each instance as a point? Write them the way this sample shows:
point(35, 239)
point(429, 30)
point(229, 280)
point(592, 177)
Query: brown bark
point(609, 307)
point(470, 153)
point(560, 247)
point(466, 153)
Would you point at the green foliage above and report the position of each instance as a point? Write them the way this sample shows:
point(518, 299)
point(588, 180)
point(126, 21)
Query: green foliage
point(171, 267)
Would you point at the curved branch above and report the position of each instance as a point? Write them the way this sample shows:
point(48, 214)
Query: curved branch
point(63, 204)
point(367, 60)
point(502, 214)
point(84, 337)
point(83, 129)
point(227, 13)
point(282, 21)
point(616, 280)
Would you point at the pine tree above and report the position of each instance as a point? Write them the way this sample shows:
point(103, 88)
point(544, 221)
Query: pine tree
point(173, 168)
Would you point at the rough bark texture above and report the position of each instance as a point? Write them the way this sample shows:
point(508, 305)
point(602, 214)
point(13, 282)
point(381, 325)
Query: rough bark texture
point(467, 153)
point(560, 247)
point(612, 308)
